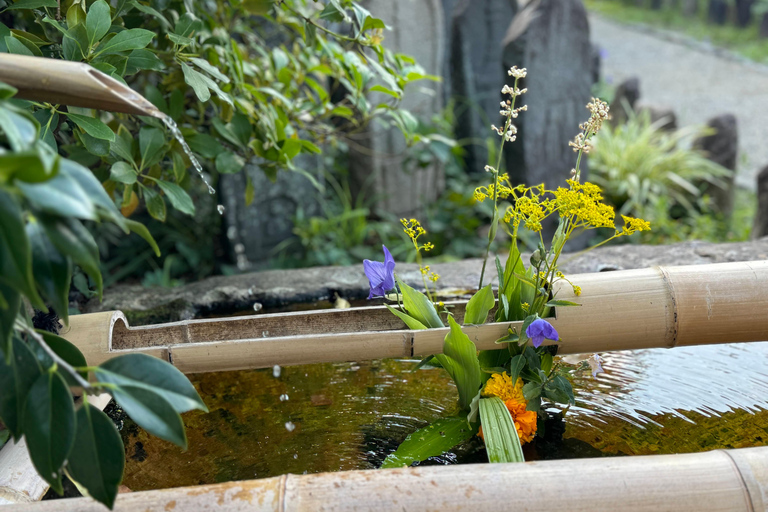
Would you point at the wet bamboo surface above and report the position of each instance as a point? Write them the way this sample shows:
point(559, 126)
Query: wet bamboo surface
point(721, 480)
point(622, 310)
point(70, 83)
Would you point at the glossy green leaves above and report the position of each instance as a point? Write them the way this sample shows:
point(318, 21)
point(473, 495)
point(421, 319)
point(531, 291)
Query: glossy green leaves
point(430, 441)
point(459, 358)
point(479, 306)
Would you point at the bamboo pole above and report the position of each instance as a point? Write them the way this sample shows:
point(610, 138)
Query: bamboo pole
point(623, 310)
point(19, 481)
point(722, 480)
point(70, 83)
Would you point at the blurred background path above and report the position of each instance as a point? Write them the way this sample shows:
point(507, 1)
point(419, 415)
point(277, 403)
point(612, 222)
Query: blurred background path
point(696, 83)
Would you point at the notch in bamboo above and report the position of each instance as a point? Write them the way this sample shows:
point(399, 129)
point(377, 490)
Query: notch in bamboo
point(623, 310)
point(71, 83)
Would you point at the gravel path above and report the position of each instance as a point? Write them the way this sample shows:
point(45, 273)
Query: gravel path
point(695, 82)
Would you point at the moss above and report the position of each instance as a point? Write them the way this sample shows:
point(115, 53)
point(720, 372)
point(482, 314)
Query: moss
point(170, 312)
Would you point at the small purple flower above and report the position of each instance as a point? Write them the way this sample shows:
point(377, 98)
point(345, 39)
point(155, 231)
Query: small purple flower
point(381, 276)
point(595, 364)
point(541, 330)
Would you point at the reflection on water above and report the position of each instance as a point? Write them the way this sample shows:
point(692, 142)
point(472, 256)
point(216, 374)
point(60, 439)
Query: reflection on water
point(331, 417)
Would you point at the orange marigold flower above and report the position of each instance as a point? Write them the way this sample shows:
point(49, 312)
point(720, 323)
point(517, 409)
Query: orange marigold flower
point(500, 384)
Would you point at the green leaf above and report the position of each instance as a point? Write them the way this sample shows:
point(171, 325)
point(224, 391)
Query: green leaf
point(187, 25)
point(258, 7)
point(531, 390)
point(65, 350)
point(122, 172)
point(491, 359)
point(19, 127)
point(131, 39)
point(15, 252)
point(62, 195)
point(151, 142)
point(558, 302)
point(12, 302)
point(98, 456)
point(7, 91)
point(15, 380)
point(516, 366)
point(95, 191)
point(411, 322)
point(17, 47)
point(151, 412)
point(49, 426)
point(92, 126)
point(430, 441)
point(559, 390)
point(4, 435)
point(419, 306)
point(98, 21)
point(178, 197)
point(156, 375)
point(197, 82)
point(32, 4)
point(479, 306)
point(142, 59)
point(71, 238)
point(210, 69)
point(155, 204)
point(228, 162)
point(499, 432)
point(459, 358)
point(75, 44)
point(141, 230)
point(52, 270)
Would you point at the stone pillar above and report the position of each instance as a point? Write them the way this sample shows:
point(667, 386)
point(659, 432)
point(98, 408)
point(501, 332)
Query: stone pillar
point(718, 11)
point(624, 100)
point(743, 12)
point(253, 231)
point(722, 148)
point(377, 162)
point(556, 50)
point(477, 72)
point(760, 229)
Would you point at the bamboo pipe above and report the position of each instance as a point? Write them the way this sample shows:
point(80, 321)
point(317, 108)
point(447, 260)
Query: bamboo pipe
point(732, 480)
point(71, 83)
point(19, 481)
point(622, 310)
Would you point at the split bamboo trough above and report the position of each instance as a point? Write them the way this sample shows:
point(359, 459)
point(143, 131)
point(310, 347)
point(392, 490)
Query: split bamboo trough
point(650, 308)
point(70, 83)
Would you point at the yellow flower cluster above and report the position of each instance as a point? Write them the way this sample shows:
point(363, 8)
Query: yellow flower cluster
point(502, 187)
point(582, 205)
point(412, 228)
point(500, 384)
point(632, 225)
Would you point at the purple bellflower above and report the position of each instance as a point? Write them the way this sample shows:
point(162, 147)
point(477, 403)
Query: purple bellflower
point(541, 330)
point(381, 276)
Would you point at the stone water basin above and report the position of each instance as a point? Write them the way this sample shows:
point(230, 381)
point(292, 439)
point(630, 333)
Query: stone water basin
point(331, 417)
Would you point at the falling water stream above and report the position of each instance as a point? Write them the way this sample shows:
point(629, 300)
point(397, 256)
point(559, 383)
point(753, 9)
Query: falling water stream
point(331, 417)
point(176, 132)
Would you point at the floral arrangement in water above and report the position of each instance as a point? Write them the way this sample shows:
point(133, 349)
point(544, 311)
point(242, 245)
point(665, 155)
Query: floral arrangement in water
point(501, 391)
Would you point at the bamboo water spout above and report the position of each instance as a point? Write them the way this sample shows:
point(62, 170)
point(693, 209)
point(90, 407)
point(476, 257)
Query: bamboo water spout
point(624, 310)
point(71, 83)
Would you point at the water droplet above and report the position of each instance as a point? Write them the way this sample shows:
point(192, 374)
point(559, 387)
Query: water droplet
point(250, 290)
point(257, 306)
point(219, 208)
point(295, 455)
point(276, 371)
point(289, 426)
point(174, 129)
point(283, 397)
point(231, 232)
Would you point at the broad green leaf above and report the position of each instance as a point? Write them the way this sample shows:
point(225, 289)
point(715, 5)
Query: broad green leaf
point(419, 306)
point(559, 390)
point(131, 39)
point(197, 82)
point(94, 189)
point(141, 230)
point(71, 238)
point(98, 456)
point(62, 195)
point(122, 172)
point(151, 412)
point(479, 305)
point(7, 91)
point(228, 162)
point(178, 197)
point(15, 381)
point(52, 270)
point(155, 204)
point(32, 4)
point(17, 47)
point(15, 252)
point(430, 441)
point(75, 15)
point(92, 126)
point(531, 390)
point(501, 440)
point(412, 323)
point(516, 366)
point(143, 59)
point(151, 142)
point(65, 350)
point(156, 375)
point(19, 127)
point(210, 69)
point(187, 25)
point(11, 302)
point(459, 358)
point(49, 426)
point(98, 21)
point(493, 359)
point(558, 302)
point(546, 362)
point(151, 11)
point(259, 7)
point(123, 144)
point(75, 44)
